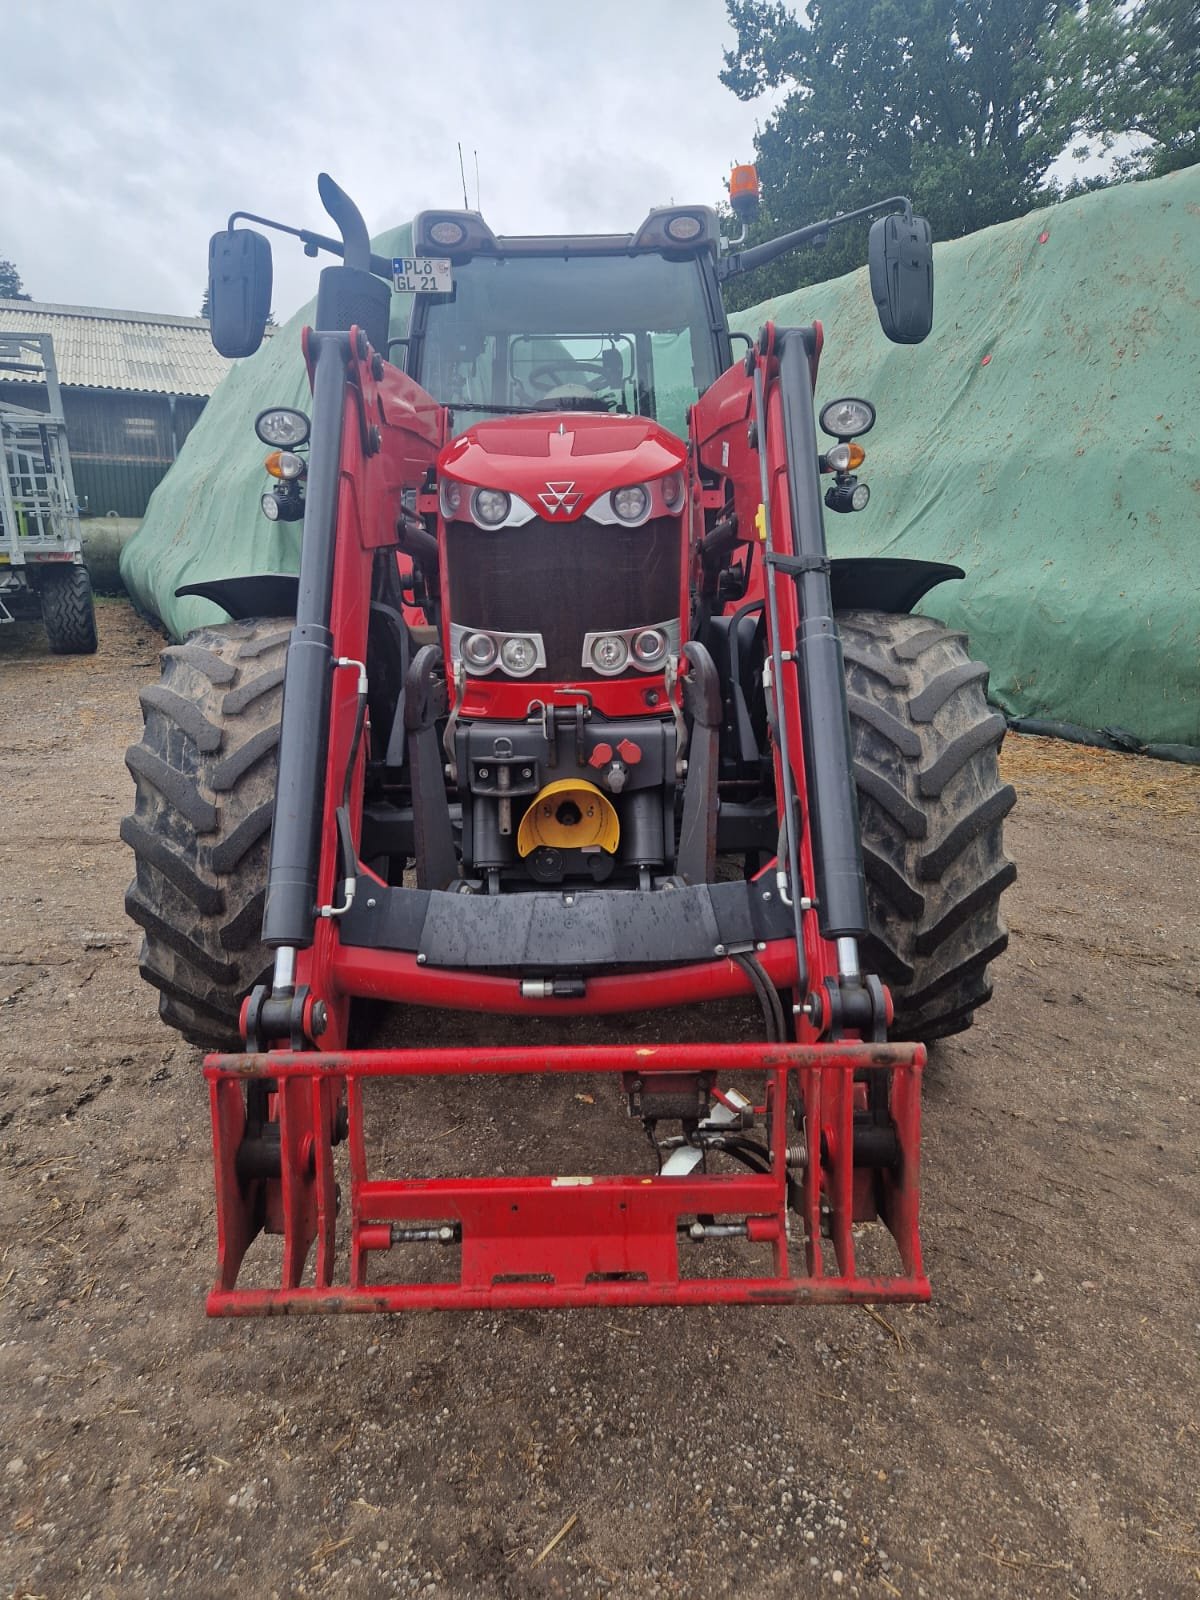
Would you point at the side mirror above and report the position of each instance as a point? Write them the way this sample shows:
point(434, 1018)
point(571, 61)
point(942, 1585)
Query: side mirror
point(239, 290)
point(900, 252)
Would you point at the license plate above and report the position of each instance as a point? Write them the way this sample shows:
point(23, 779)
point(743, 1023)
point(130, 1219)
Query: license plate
point(424, 275)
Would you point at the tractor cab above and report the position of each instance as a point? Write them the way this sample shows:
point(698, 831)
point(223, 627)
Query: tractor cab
point(628, 324)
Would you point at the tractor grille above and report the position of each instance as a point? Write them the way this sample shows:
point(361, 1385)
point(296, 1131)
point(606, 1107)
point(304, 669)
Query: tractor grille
point(562, 580)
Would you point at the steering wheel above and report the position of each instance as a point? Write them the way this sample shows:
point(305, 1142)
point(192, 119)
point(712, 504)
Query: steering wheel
point(562, 374)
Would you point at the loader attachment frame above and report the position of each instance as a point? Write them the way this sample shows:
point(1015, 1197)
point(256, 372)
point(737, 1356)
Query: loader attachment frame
point(566, 1240)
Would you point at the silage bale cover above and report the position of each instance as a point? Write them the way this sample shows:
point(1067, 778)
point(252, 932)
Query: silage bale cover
point(1044, 438)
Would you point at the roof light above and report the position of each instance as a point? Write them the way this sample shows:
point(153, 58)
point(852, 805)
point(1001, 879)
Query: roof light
point(744, 192)
point(447, 233)
point(684, 229)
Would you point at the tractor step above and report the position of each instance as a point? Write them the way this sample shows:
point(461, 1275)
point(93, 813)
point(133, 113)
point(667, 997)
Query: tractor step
point(566, 1240)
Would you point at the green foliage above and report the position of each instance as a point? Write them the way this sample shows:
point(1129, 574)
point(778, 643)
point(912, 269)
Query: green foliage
point(1131, 70)
point(960, 104)
point(11, 287)
point(937, 99)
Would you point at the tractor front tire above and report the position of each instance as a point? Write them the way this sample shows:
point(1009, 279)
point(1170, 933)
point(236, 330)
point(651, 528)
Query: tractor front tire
point(205, 772)
point(931, 809)
point(68, 610)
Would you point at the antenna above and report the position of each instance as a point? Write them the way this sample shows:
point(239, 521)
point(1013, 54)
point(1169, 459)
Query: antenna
point(478, 207)
point(463, 174)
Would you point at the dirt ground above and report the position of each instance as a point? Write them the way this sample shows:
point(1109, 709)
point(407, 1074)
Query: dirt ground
point(1033, 1432)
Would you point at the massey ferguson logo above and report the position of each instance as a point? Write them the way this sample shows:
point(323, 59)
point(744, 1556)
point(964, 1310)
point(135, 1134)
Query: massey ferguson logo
point(560, 499)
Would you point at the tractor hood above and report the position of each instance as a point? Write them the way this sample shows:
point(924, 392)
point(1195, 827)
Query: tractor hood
point(562, 462)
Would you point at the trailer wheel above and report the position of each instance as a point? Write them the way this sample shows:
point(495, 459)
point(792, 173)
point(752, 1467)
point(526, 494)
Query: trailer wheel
point(931, 808)
point(68, 611)
point(205, 774)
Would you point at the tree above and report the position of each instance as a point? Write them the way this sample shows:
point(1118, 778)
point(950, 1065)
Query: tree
point(1132, 70)
point(948, 102)
point(11, 287)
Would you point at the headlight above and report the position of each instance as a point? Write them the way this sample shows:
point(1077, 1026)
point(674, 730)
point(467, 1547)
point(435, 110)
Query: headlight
point(609, 653)
point(632, 504)
point(672, 491)
point(282, 427)
point(490, 507)
point(649, 647)
point(479, 651)
point(519, 655)
point(450, 497)
point(646, 649)
point(483, 650)
point(290, 466)
point(845, 418)
point(270, 507)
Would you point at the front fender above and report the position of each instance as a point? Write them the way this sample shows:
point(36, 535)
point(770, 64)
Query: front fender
point(885, 583)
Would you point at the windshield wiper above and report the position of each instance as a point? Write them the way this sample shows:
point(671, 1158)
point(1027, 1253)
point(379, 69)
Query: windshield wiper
point(561, 403)
point(479, 405)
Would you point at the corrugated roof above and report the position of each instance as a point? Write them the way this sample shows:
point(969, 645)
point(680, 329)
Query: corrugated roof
point(132, 350)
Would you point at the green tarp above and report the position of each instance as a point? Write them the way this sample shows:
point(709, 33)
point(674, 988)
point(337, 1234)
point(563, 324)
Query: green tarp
point(1045, 438)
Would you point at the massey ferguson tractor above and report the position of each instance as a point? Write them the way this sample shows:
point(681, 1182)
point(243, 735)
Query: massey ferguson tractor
point(569, 712)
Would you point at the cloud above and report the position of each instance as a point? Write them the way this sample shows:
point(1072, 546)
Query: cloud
point(140, 126)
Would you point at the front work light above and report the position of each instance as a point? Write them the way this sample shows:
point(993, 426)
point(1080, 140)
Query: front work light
point(270, 507)
point(282, 428)
point(845, 418)
point(847, 495)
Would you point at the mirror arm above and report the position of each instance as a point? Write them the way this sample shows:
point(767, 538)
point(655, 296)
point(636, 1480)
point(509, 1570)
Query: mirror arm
point(312, 242)
point(759, 254)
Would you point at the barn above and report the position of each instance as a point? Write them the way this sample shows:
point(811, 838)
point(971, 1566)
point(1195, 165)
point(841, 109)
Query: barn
point(133, 385)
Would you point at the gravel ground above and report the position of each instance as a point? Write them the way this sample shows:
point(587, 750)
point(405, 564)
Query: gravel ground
point(1033, 1432)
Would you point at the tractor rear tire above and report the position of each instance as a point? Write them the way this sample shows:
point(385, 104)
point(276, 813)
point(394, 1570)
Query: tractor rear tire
point(931, 808)
point(205, 772)
point(68, 610)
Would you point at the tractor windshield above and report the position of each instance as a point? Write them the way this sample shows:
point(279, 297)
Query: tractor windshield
point(627, 333)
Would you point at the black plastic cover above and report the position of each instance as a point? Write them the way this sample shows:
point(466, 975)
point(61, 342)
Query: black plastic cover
point(577, 931)
point(900, 251)
point(239, 290)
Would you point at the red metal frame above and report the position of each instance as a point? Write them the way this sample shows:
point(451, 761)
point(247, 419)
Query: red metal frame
point(548, 1240)
point(554, 1240)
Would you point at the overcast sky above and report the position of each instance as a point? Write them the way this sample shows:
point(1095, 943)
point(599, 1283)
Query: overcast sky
point(140, 124)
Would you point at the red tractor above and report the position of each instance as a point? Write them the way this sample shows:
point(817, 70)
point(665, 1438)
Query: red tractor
point(568, 712)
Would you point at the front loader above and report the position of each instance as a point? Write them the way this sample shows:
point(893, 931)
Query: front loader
point(568, 713)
